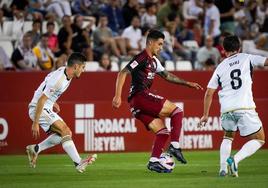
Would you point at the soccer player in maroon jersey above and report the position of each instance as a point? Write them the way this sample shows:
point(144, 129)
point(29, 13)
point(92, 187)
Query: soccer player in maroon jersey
point(148, 107)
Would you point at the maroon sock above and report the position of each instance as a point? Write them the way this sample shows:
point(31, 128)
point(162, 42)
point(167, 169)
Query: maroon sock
point(160, 140)
point(176, 124)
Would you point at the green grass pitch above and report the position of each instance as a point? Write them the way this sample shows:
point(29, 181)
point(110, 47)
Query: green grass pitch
point(129, 170)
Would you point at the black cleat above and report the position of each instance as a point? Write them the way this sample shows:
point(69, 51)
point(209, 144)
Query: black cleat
point(177, 154)
point(157, 167)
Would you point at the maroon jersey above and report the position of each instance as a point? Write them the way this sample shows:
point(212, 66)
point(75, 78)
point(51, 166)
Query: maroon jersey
point(143, 69)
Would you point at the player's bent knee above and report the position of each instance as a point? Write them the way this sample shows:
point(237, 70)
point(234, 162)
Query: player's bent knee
point(66, 131)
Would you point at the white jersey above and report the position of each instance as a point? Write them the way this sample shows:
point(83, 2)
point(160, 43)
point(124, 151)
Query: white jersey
point(234, 76)
point(53, 86)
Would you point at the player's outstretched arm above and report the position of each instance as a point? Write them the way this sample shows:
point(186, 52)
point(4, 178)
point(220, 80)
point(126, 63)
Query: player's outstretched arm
point(39, 108)
point(207, 103)
point(174, 79)
point(120, 81)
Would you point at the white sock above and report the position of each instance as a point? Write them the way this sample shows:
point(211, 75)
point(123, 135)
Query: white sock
point(52, 140)
point(175, 144)
point(247, 150)
point(225, 152)
point(71, 150)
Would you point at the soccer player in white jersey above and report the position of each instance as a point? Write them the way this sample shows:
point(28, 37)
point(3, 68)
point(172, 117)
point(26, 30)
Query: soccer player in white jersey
point(234, 77)
point(43, 111)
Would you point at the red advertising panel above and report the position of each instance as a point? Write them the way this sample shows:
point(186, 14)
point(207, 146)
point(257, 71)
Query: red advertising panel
point(97, 127)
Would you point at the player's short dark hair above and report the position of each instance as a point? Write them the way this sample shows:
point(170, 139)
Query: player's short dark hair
point(155, 35)
point(231, 43)
point(76, 58)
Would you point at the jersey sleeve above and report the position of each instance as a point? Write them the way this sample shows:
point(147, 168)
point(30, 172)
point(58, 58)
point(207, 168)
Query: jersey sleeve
point(132, 65)
point(257, 60)
point(214, 81)
point(159, 67)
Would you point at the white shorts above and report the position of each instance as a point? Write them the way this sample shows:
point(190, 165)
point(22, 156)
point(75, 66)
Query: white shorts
point(47, 117)
point(246, 121)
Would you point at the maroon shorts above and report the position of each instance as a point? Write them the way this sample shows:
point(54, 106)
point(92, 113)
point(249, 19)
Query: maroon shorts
point(146, 106)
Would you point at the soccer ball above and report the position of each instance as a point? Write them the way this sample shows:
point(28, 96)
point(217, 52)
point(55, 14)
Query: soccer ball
point(167, 161)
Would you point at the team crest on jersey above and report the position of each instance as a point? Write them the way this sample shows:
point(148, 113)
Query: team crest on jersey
point(134, 64)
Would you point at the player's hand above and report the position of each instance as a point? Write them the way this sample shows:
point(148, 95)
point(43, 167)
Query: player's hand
point(35, 130)
point(194, 85)
point(202, 122)
point(56, 107)
point(116, 102)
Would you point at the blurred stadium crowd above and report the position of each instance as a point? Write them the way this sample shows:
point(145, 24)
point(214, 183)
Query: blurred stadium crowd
point(38, 35)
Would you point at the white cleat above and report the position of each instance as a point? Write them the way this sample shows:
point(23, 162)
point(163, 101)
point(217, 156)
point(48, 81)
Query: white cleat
point(232, 166)
point(32, 155)
point(81, 167)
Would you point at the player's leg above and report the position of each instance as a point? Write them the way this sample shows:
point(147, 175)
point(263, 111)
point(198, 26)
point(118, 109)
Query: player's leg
point(250, 127)
point(225, 152)
point(69, 147)
point(169, 109)
point(161, 136)
point(46, 119)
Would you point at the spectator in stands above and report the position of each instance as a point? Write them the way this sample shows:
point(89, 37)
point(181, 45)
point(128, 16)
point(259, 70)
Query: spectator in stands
point(184, 34)
point(198, 33)
point(36, 32)
point(23, 57)
point(133, 36)
point(5, 6)
point(81, 39)
point(44, 55)
point(129, 10)
point(192, 12)
point(208, 57)
point(227, 11)
point(144, 32)
point(5, 63)
point(16, 29)
point(65, 36)
point(168, 48)
point(262, 42)
point(115, 16)
point(104, 40)
point(212, 21)
point(178, 48)
point(52, 38)
point(83, 7)
point(149, 17)
point(264, 27)
point(59, 7)
point(19, 4)
point(105, 63)
point(170, 6)
point(36, 9)
point(257, 45)
point(241, 22)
